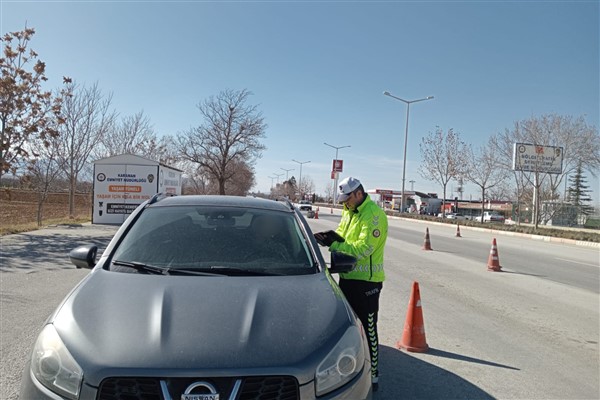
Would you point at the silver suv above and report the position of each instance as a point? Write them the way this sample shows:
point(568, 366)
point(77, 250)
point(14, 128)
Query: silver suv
point(204, 298)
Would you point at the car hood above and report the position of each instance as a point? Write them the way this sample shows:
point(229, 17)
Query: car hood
point(119, 324)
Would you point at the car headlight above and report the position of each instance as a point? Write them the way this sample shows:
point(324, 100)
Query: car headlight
point(53, 365)
point(342, 363)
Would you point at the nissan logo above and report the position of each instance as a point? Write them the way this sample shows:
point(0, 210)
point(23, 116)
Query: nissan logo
point(200, 391)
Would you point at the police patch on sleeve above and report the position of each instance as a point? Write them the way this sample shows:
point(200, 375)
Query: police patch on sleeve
point(376, 233)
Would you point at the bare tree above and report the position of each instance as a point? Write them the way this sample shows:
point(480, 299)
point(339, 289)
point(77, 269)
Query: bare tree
point(328, 190)
point(444, 157)
point(502, 191)
point(26, 111)
point(133, 134)
point(43, 171)
point(200, 181)
point(87, 116)
point(485, 171)
point(307, 185)
point(242, 178)
point(231, 132)
point(580, 142)
point(286, 189)
point(195, 181)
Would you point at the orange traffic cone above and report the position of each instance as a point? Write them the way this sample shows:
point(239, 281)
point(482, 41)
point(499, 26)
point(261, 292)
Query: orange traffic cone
point(458, 230)
point(317, 213)
point(427, 244)
point(413, 336)
point(493, 263)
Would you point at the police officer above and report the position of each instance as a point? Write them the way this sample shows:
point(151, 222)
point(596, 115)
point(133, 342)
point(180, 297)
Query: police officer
point(364, 228)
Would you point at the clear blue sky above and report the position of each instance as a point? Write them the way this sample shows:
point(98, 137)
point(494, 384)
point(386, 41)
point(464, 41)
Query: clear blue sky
point(318, 70)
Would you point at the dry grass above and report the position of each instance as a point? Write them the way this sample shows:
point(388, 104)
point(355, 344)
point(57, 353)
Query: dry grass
point(18, 210)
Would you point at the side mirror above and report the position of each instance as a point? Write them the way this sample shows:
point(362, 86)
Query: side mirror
point(341, 262)
point(84, 256)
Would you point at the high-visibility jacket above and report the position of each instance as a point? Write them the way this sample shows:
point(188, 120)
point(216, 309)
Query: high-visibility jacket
point(364, 231)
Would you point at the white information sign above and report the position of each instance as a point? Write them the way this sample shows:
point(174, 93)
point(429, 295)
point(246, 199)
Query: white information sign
point(536, 158)
point(169, 180)
point(119, 189)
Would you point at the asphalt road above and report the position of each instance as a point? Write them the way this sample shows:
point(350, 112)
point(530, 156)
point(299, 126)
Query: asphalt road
point(530, 332)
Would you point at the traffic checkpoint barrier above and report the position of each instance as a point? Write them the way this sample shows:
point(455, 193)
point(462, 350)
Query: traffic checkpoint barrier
point(458, 230)
point(413, 335)
point(427, 243)
point(493, 263)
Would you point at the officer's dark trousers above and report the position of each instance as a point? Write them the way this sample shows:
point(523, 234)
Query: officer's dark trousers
point(363, 297)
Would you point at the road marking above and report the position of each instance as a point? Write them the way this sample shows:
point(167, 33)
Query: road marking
point(578, 262)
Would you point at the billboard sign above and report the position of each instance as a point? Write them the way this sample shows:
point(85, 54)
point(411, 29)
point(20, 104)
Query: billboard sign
point(169, 180)
point(119, 189)
point(338, 166)
point(536, 158)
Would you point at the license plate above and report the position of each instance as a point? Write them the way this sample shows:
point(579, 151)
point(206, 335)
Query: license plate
point(200, 396)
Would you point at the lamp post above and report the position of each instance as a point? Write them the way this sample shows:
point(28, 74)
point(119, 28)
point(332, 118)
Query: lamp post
point(277, 175)
point(412, 185)
point(408, 103)
point(300, 179)
point(272, 177)
point(335, 183)
point(287, 171)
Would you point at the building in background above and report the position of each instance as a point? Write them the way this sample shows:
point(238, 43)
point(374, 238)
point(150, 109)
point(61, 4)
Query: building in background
point(123, 182)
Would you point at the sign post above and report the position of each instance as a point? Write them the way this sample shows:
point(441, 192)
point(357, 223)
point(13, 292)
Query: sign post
point(536, 158)
point(337, 167)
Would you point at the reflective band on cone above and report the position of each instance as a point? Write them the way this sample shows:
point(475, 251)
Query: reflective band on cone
point(493, 263)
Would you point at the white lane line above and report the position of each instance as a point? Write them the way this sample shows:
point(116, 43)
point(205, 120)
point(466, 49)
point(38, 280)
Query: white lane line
point(578, 262)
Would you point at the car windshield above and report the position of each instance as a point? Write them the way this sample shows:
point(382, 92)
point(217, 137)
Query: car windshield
point(208, 238)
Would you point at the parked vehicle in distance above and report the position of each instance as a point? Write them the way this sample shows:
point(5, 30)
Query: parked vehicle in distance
point(304, 205)
point(457, 216)
point(204, 297)
point(490, 216)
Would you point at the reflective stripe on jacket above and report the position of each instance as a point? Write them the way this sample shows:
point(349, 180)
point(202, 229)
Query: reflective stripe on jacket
point(365, 232)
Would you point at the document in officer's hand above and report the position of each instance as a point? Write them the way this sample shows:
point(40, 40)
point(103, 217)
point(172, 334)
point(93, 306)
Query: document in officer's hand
point(326, 238)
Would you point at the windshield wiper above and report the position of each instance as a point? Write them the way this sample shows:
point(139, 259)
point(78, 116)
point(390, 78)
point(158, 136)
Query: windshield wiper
point(238, 271)
point(152, 269)
point(191, 271)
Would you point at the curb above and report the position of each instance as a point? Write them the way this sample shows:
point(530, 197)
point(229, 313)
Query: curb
point(551, 239)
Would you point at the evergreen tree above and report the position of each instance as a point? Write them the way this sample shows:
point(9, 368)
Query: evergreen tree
point(578, 192)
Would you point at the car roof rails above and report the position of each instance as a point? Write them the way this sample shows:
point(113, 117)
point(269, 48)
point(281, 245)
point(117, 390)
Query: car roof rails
point(159, 196)
point(286, 200)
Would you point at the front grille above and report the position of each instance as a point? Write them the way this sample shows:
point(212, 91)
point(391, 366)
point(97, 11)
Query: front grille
point(270, 388)
point(252, 388)
point(130, 389)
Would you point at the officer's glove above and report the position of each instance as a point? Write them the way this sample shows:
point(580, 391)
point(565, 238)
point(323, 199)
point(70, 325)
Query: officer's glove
point(324, 240)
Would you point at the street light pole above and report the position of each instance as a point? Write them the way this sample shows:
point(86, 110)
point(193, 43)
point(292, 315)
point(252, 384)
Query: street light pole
point(412, 185)
point(335, 182)
point(277, 175)
point(300, 179)
point(408, 103)
point(272, 177)
point(287, 172)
